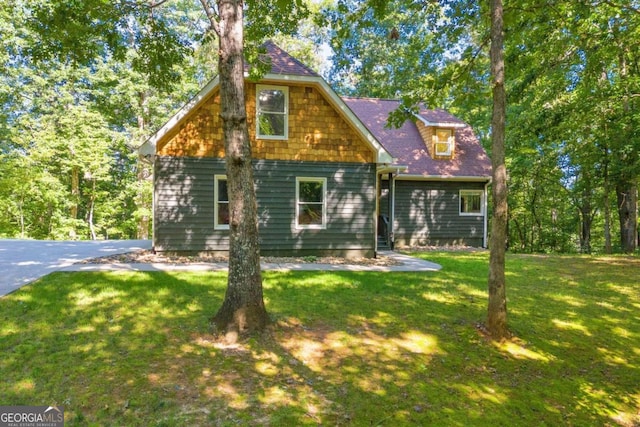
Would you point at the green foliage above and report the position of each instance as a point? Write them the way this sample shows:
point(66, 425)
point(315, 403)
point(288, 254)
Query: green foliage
point(572, 78)
point(135, 348)
point(68, 130)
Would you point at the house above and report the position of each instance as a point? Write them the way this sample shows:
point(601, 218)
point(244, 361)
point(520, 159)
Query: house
point(330, 177)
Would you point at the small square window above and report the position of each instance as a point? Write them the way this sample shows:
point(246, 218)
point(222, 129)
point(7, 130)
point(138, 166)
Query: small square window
point(221, 203)
point(471, 202)
point(272, 105)
point(311, 197)
point(443, 142)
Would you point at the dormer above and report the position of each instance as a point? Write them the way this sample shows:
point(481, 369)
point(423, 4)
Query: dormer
point(439, 137)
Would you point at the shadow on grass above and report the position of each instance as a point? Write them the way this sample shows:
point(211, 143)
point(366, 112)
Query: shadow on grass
point(345, 349)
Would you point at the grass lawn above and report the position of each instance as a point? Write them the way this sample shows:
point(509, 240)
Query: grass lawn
point(347, 348)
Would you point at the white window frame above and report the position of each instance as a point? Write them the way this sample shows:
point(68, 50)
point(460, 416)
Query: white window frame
point(471, 193)
point(285, 113)
point(449, 142)
point(322, 226)
point(216, 180)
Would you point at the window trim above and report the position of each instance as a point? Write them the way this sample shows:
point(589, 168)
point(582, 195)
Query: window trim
point(471, 193)
point(285, 90)
point(450, 141)
point(216, 201)
point(323, 226)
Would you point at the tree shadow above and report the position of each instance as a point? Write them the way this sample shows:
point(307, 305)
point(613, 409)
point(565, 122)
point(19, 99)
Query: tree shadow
point(345, 348)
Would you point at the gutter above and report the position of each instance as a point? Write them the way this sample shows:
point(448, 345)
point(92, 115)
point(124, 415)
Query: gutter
point(445, 178)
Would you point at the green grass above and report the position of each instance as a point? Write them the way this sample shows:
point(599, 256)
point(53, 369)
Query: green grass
point(346, 348)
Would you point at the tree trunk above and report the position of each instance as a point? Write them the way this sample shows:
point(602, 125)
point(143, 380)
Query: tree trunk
point(497, 310)
point(607, 223)
point(627, 194)
point(605, 201)
point(585, 229)
point(91, 207)
point(586, 215)
point(75, 197)
point(143, 174)
point(243, 308)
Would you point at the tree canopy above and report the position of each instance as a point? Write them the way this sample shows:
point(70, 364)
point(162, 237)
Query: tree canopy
point(572, 84)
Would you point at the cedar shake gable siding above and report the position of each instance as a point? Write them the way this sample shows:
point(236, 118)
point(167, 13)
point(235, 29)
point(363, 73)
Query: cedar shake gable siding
point(407, 145)
point(316, 132)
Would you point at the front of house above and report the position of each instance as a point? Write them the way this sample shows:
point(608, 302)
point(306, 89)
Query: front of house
point(330, 179)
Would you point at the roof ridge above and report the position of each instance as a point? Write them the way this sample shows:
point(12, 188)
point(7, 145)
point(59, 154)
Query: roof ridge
point(372, 98)
point(277, 54)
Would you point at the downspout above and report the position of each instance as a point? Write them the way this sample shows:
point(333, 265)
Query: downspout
point(486, 214)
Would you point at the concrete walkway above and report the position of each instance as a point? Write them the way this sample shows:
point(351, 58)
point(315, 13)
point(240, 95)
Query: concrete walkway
point(23, 261)
point(408, 264)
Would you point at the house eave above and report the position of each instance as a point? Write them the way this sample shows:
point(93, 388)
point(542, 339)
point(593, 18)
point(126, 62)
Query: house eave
point(395, 169)
point(148, 148)
point(382, 155)
point(461, 178)
point(454, 125)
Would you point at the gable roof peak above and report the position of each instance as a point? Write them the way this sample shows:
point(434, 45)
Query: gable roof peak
point(283, 63)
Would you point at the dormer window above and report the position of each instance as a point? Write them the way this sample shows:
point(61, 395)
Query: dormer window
point(272, 105)
point(443, 142)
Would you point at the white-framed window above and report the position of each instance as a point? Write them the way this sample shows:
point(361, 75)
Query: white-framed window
point(221, 203)
point(471, 202)
point(272, 112)
point(443, 141)
point(311, 202)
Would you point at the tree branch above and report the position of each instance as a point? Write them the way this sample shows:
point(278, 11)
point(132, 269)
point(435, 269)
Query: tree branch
point(158, 3)
point(212, 16)
point(621, 6)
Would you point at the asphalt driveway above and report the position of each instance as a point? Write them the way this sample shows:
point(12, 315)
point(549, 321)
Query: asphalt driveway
point(23, 261)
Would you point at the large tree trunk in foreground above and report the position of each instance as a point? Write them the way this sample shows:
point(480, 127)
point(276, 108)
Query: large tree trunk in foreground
point(497, 310)
point(243, 308)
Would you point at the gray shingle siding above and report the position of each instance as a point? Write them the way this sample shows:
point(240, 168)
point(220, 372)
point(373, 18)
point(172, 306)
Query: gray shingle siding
point(428, 213)
point(184, 207)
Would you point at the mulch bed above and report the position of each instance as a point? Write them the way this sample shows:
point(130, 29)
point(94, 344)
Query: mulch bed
point(149, 257)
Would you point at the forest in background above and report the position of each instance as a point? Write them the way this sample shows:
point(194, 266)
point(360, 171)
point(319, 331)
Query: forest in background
point(68, 133)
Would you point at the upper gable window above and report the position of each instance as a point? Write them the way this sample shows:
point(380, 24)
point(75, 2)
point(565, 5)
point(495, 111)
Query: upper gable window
point(443, 142)
point(272, 105)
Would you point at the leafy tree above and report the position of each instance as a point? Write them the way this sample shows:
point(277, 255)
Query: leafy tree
point(572, 109)
point(83, 32)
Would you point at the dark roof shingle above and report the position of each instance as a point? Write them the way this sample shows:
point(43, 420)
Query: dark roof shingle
point(408, 147)
point(283, 63)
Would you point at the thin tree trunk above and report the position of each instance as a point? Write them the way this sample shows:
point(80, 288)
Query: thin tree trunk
point(21, 204)
point(627, 195)
point(75, 196)
point(142, 231)
point(606, 201)
point(586, 216)
point(91, 206)
point(243, 308)
point(497, 309)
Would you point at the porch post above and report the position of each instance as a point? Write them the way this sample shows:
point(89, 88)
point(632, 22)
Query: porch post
point(392, 209)
point(486, 214)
